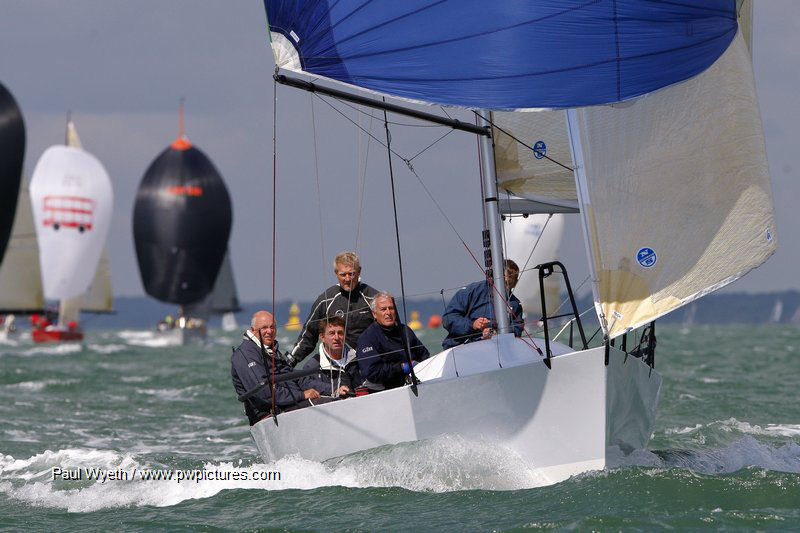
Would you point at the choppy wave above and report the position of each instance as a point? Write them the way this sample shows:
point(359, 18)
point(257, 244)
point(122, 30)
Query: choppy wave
point(440, 465)
point(107, 348)
point(39, 385)
point(53, 349)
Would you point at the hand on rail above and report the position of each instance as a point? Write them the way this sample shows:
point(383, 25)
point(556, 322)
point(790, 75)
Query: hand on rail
point(311, 394)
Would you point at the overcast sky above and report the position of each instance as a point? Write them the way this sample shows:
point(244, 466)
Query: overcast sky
point(121, 68)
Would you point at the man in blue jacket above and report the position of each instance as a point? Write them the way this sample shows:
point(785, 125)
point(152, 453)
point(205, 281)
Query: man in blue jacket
point(251, 364)
point(381, 349)
point(470, 314)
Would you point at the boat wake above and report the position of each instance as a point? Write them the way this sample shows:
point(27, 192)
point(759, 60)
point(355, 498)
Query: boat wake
point(443, 464)
point(724, 447)
point(440, 465)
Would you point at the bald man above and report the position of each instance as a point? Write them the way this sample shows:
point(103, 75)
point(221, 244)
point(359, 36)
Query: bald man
point(251, 365)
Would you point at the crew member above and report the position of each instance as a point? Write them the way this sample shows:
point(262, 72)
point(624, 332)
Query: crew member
point(338, 368)
point(382, 347)
point(470, 314)
point(251, 365)
point(349, 299)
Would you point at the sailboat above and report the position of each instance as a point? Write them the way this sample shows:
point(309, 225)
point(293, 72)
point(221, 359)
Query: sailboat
point(72, 200)
point(659, 108)
point(181, 223)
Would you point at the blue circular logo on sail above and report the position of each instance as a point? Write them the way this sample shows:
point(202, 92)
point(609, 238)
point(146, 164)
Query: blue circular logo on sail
point(646, 257)
point(539, 149)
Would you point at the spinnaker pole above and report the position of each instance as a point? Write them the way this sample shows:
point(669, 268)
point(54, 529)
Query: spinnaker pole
point(492, 217)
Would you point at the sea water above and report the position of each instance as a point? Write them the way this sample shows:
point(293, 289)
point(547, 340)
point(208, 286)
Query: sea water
point(81, 425)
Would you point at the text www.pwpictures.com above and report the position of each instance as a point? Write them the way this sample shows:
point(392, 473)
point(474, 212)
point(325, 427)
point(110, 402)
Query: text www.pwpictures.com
point(103, 475)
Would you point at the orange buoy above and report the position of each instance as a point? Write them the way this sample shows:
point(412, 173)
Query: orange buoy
point(435, 321)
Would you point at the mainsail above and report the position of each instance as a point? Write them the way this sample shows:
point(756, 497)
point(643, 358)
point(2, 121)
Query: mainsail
point(12, 152)
point(72, 199)
point(20, 277)
point(181, 224)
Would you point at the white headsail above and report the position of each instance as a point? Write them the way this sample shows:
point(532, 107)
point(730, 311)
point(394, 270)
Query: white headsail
point(72, 198)
point(674, 191)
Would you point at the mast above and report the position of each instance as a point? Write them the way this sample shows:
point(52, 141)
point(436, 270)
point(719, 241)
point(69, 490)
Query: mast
point(490, 208)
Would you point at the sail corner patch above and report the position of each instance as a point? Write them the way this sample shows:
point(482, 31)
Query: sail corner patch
point(646, 257)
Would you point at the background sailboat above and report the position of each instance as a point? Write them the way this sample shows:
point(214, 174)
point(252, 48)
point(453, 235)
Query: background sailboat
point(99, 297)
point(72, 199)
point(181, 223)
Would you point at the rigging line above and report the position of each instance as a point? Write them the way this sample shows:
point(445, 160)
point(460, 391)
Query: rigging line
point(445, 112)
point(359, 127)
point(274, 233)
point(429, 146)
point(407, 124)
point(399, 255)
point(544, 228)
point(407, 161)
point(319, 193)
point(363, 183)
point(545, 156)
point(274, 182)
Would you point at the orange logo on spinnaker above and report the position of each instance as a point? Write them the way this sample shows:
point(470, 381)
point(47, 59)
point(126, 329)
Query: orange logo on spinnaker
point(185, 190)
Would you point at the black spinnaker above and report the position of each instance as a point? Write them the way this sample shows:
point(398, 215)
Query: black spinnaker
point(181, 224)
point(12, 152)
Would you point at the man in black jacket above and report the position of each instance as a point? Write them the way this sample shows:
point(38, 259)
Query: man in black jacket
point(349, 299)
point(382, 347)
point(251, 364)
point(336, 361)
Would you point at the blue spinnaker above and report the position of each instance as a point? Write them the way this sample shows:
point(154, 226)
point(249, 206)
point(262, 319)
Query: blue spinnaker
point(505, 54)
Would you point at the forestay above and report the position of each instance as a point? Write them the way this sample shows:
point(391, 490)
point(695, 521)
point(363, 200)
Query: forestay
point(502, 55)
point(675, 192)
point(72, 199)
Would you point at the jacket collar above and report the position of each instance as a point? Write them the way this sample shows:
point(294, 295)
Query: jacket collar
point(325, 362)
point(252, 336)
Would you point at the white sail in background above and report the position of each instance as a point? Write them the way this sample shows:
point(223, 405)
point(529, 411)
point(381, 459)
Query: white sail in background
point(99, 296)
point(674, 192)
point(20, 277)
point(72, 199)
point(521, 235)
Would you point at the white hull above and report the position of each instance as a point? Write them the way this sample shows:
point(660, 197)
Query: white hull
point(561, 421)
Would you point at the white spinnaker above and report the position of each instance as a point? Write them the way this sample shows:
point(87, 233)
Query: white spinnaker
point(542, 172)
point(675, 192)
point(99, 296)
point(72, 199)
point(521, 235)
point(20, 278)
